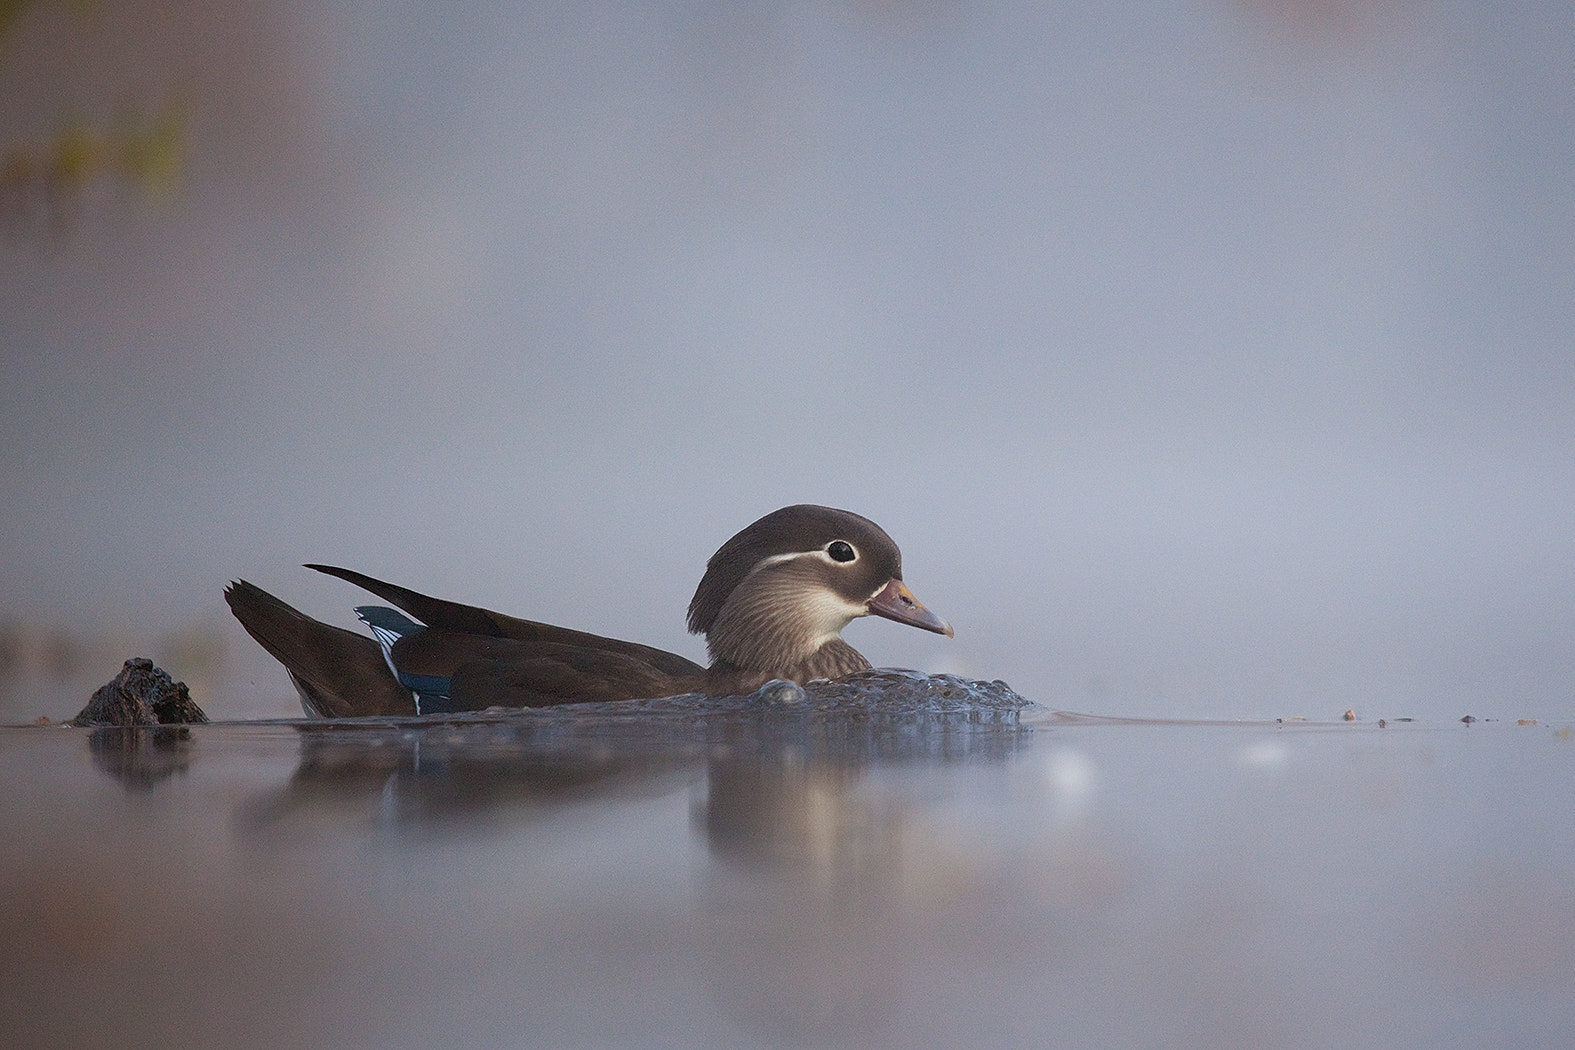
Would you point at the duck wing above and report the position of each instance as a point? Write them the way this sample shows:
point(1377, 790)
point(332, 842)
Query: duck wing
point(457, 619)
point(486, 671)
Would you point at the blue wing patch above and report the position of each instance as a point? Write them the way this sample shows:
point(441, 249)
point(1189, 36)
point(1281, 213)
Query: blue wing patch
point(388, 626)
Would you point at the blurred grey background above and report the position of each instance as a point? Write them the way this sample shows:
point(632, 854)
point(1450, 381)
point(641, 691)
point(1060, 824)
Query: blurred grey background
point(1206, 358)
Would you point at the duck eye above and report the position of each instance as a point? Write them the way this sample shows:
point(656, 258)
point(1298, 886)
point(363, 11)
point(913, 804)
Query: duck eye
point(841, 550)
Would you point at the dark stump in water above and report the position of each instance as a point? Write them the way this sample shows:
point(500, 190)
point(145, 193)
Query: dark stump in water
point(140, 695)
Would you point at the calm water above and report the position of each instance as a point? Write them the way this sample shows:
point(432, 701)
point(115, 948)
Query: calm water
point(774, 875)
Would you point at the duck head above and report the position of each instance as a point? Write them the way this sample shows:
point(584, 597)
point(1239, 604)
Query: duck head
point(775, 597)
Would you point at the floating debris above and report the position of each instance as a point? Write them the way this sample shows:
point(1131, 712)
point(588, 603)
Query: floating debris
point(140, 695)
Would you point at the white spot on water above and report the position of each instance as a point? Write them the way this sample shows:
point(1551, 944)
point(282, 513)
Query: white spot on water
point(1071, 778)
point(1263, 754)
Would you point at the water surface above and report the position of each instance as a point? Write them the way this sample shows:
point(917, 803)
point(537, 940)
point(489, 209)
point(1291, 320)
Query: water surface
point(956, 870)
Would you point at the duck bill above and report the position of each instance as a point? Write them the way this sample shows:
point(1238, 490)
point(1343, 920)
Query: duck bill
point(896, 602)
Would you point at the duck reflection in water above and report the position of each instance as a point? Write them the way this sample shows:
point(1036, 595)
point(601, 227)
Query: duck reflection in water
point(422, 774)
point(813, 862)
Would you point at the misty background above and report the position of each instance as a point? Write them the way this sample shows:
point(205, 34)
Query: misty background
point(1206, 358)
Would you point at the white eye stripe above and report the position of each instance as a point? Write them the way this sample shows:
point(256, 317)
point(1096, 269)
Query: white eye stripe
point(778, 559)
point(819, 552)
